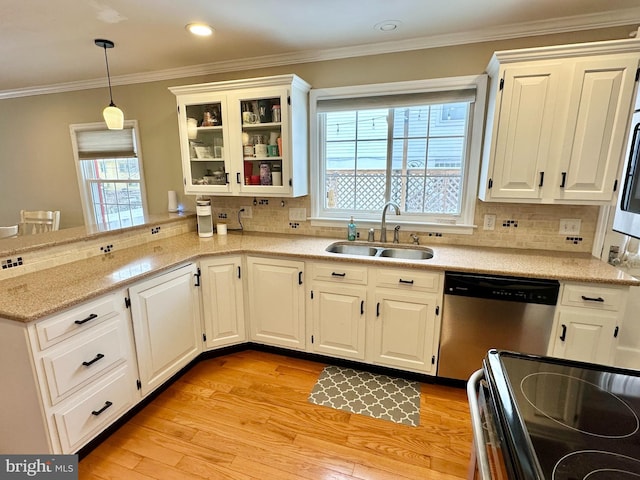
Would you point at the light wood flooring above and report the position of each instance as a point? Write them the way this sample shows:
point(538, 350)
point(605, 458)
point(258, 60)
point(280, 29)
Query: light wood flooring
point(245, 416)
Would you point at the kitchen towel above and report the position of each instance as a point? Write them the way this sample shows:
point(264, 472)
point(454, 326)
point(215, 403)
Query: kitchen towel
point(364, 393)
point(173, 201)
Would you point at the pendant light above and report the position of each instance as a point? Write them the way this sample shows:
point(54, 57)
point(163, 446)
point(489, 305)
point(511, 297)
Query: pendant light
point(113, 116)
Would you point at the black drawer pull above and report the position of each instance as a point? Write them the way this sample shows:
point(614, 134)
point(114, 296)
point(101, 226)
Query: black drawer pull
point(591, 299)
point(378, 309)
point(361, 307)
point(91, 362)
point(238, 178)
point(299, 278)
point(90, 317)
point(336, 274)
point(107, 404)
point(564, 179)
point(541, 179)
point(408, 282)
point(563, 337)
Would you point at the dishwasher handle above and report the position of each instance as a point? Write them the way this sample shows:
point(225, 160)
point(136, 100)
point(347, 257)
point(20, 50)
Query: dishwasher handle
point(478, 439)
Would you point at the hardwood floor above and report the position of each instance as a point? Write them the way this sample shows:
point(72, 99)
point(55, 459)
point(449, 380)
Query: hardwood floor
point(245, 416)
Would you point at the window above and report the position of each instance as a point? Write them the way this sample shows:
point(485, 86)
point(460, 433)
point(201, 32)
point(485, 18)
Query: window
point(110, 176)
point(414, 143)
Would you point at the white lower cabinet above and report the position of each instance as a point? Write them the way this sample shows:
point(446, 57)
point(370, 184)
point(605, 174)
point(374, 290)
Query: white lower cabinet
point(276, 302)
point(337, 300)
point(399, 328)
point(406, 319)
point(68, 377)
point(222, 301)
point(79, 419)
point(165, 311)
point(587, 323)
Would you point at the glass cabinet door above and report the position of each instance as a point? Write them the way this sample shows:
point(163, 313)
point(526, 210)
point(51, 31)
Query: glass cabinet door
point(245, 137)
point(206, 147)
point(264, 141)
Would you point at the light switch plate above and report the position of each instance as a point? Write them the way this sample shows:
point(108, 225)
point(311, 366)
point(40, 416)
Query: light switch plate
point(489, 222)
point(297, 214)
point(569, 226)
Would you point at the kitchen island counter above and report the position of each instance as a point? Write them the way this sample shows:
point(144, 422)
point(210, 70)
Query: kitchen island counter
point(32, 296)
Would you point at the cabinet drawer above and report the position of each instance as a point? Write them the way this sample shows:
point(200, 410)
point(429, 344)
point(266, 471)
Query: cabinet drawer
point(87, 414)
point(83, 358)
point(76, 320)
point(408, 279)
point(600, 297)
point(340, 272)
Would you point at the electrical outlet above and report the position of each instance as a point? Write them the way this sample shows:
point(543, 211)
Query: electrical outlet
point(248, 212)
point(569, 226)
point(298, 214)
point(489, 222)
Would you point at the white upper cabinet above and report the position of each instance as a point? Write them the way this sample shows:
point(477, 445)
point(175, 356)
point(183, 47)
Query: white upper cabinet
point(245, 137)
point(557, 122)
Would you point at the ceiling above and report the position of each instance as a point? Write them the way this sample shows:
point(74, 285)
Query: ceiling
point(49, 45)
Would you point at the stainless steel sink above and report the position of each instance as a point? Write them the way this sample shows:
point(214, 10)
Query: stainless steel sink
point(408, 253)
point(350, 249)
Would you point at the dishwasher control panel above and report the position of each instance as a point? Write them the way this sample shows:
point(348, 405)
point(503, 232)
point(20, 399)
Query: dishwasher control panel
point(513, 289)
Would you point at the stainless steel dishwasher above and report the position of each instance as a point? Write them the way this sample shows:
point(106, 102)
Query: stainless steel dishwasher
point(481, 312)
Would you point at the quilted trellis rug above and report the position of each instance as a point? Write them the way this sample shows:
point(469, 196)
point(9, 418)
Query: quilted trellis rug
point(368, 394)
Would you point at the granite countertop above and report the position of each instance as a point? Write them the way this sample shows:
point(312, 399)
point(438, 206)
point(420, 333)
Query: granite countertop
point(36, 295)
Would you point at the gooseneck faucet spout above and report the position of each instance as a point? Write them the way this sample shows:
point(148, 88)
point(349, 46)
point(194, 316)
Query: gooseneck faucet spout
point(383, 225)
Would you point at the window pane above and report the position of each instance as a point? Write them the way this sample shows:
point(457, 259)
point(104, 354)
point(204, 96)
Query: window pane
point(427, 158)
point(355, 159)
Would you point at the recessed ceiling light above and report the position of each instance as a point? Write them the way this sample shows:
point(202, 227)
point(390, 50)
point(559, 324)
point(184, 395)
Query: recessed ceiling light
point(200, 29)
point(387, 25)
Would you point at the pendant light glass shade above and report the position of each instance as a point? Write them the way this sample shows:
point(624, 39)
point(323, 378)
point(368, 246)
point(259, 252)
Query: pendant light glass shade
point(113, 116)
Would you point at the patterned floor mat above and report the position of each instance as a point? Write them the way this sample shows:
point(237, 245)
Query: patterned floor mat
point(365, 393)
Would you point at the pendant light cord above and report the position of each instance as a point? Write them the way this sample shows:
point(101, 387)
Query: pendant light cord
point(108, 77)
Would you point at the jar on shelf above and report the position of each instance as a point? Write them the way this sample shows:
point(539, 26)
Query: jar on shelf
point(276, 174)
point(265, 174)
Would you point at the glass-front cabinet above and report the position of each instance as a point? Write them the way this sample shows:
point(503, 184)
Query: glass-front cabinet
point(246, 137)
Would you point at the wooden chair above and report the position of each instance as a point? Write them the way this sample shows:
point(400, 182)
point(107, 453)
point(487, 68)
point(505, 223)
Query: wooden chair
point(6, 232)
point(39, 221)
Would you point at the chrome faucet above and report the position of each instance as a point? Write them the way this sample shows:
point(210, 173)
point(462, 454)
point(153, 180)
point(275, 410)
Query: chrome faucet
point(383, 225)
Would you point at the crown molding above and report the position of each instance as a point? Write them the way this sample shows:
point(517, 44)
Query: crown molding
point(616, 18)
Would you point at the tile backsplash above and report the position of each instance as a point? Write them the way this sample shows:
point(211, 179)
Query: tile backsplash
point(516, 225)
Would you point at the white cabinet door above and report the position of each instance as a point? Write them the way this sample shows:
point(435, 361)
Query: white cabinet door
point(338, 318)
point(601, 95)
point(557, 124)
point(205, 144)
point(404, 332)
point(276, 302)
point(585, 335)
point(523, 130)
point(166, 324)
point(222, 301)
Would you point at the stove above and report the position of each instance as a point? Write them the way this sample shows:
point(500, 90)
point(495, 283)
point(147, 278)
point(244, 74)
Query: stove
point(554, 419)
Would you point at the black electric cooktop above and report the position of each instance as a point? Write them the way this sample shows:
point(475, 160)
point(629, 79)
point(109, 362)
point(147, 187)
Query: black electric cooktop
point(566, 420)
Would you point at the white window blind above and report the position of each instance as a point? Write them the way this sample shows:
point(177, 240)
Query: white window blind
point(395, 101)
point(106, 144)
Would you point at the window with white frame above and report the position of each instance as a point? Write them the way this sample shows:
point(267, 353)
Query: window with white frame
point(109, 168)
point(417, 144)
